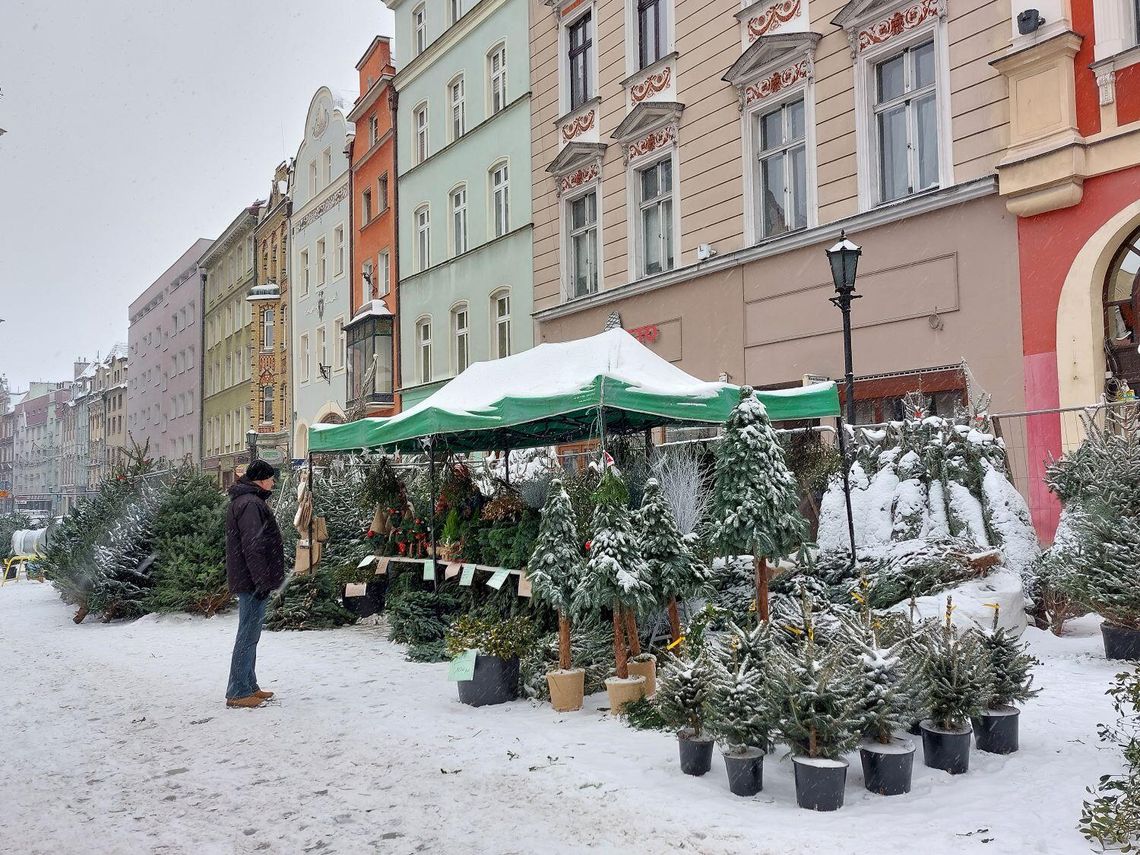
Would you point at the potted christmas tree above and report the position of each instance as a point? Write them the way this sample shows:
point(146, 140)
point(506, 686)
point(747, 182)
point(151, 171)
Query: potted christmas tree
point(740, 709)
point(675, 573)
point(755, 502)
point(554, 569)
point(1104, 576)
point(817, 705)
point(996, 729)
point(615, 577)
point(885, 705)
point(682, 702)
point(498, 644)
point(955, 677)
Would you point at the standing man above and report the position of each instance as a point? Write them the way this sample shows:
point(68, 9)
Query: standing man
point(255, 565)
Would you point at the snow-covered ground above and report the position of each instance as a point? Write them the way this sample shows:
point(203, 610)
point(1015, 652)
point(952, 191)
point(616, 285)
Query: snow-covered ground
point(114, 739)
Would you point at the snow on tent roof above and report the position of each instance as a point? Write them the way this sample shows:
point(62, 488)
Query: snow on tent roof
point(553, 393)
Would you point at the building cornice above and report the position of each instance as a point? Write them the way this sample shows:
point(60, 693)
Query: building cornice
point(365, 102)
point(368, 155)
point(322, 203)
point(454, 34)
point(882, 215)
point(245, 222)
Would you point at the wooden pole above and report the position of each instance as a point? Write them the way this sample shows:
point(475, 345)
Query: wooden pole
point(563, 641)
point(431, 517)
point(631, 632)
point(621, 663)
point(761, 565)
point(674, 620)
point(312, 510)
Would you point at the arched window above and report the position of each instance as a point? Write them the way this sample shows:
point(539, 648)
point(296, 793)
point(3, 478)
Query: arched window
point(501, 322)
point(423, 238)
point(423, 349)
point(500, 199)
point(457, 101)
point(458, 203)
point(460, 337)
point(1122, 311)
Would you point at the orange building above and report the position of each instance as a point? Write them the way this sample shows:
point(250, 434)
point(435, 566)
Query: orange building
point(371, 334)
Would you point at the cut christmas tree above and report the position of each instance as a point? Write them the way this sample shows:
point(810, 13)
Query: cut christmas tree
point(555, 570)
point(682, 703)
point(1011, 681)
point(755, 503)
point(126, 560)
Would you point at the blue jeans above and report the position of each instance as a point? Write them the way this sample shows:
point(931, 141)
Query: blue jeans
point(243, 677)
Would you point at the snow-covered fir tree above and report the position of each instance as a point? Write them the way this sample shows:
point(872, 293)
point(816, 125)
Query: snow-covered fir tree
point(555, 567)
point(683, 694)
point(886, 695)
point(615, 576)
point(955, 674)
point(126, 560)
point(1011, 668)
point(674, 572)
point(740, 710)
point(755, 502)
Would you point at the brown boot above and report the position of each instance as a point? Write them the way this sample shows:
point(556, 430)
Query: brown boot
point(247, 702)
point(264, 695)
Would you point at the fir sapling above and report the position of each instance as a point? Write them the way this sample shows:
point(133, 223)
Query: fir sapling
point(955, 674)
point(755, 502)
point(1010, 667)
point(1105, 571)
point(740, 711)
point(555, 565)
point(885, 694)
point(674, 571)
point(683, 695)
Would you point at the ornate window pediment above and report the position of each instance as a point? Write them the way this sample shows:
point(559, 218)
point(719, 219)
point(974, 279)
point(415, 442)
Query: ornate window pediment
point(767, 52)
point(873, 22)
point(578, 163)
point(645, 117)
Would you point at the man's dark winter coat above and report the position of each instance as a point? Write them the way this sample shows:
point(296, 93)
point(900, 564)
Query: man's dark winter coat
point(255, 556)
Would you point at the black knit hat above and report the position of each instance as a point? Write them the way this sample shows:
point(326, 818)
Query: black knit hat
point(259, 470)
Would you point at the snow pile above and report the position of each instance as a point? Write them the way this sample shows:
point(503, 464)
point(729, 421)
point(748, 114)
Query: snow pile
point(974, 603)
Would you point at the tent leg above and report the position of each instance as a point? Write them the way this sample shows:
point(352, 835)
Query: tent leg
point(847, 486)
point(431, 516)
point(507, 465)
point(313, 506)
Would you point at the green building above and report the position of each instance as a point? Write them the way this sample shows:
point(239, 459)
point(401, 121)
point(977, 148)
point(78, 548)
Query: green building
point(464, 216)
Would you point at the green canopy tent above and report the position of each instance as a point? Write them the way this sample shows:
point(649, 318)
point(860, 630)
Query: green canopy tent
point(559, 393)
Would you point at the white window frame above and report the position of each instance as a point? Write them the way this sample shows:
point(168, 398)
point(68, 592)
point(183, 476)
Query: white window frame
point(567, 230)
point(457, 107)
point(867, 149)
point(326, 167)
point(633, 44)
point(366, 213)
point(382, 194)
point(321, 348)
point(422, 247)
point(498, 321)
point(420, 137)
point(455, 7)
point(499, 199)
point(497, 79)
point(751, 155)
point(322, 261)
point(338, 250)
point(305, 358)
point(313, 188)
point(373, 130)
point(341, 344)
point(367, 279)
point(419, 29)
point(385, 274)
point(564, 55)
point(268, 330)
point(459, 236)
point(634, 207)
point(460, 337)
point(304, 272)
point(423, 345)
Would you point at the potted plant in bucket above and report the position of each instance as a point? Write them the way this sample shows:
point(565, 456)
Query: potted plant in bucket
point(817, 699)
point(885, 705)
point(682, 702)
point(615, 578)
point(554, 569)
point(498, 644)
point(996, 728)
point(955, 677)
point(740, 712)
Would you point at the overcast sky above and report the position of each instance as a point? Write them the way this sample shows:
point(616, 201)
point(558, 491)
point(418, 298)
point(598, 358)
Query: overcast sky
point(135, 127)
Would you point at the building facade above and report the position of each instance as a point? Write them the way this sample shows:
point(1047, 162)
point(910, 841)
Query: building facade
point(270, 391)
point(320, 234)
point(1071, 174)
point(693, 159)
point(107, 433)
point(75, 451)
point(36, 448)
point(7, 450)
point(464, 163)
point(165, 343)
point(227, 276)
point(371, 332)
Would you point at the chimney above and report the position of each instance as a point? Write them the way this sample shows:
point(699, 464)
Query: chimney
point(79, 367)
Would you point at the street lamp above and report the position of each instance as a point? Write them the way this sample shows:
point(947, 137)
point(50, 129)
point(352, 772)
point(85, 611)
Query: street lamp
point(251, 441)
point(844, 259)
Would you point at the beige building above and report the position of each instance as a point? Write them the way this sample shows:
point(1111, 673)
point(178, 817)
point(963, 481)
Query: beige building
point(107, 417)
point(693, 159)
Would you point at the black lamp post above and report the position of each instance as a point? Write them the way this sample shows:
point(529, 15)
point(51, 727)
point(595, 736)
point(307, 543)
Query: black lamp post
point(844, 259)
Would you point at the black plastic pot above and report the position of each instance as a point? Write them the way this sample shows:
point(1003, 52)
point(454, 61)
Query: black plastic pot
point(496, 681)
point(887, 768)
point(946, 750)
point(745, 772)
point(820, 783)
point(1120, 642)
point(995, 731)
point(370, 603)
point(696, 753)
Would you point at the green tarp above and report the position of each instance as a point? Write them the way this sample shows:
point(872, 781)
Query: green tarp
point(492, 405)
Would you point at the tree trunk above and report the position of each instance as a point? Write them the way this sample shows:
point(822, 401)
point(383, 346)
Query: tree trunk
point(761, 564)
point(563, 641)
point(674, 620)
point(631, 632)
point(621, 664)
